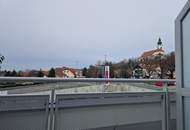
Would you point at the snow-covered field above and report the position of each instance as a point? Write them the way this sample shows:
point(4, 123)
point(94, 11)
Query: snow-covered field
point(72, 88)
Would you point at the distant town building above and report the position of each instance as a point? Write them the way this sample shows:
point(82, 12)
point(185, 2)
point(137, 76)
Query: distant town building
point(25, 73)
point(69, 72)
point(45, 72)
point(65, 72)
point(149, 67)
point(60, 72)
point(78, 73)
point(153, 53)
point(33, 73)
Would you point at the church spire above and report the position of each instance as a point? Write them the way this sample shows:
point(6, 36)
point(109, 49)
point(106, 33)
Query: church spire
point(159, 44)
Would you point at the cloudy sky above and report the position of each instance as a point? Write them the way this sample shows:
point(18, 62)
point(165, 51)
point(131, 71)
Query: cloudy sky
point(77, 33)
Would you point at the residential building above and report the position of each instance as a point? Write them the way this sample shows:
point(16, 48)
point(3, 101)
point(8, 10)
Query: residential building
point(65, 72)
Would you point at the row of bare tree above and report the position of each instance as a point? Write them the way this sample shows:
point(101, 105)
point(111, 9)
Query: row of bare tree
point(125, 68)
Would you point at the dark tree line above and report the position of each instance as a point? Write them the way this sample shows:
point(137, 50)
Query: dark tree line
point(33, 73)
point(51, 73)
point(11, 73)
point(122, 69)
point(166, 63)
point(125, 68)
point(169, 65)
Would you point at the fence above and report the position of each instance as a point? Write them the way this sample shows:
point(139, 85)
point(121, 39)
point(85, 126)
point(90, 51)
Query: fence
point(117, 111)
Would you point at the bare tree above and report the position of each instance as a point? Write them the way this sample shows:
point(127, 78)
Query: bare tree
point(1, 59)
point(150, 65)
point(169, 65)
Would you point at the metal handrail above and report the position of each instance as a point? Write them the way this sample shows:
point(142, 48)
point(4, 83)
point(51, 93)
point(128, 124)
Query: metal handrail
point(99, 80)
point(166, 96)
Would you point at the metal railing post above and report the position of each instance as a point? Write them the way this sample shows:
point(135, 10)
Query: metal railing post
point(52, 109)
point(166, 107)
point(164, 111)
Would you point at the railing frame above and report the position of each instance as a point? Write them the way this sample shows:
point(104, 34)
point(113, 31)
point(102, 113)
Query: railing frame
point(165, 102)
point(47, 80)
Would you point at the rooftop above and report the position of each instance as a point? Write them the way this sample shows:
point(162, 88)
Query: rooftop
point(151, 52)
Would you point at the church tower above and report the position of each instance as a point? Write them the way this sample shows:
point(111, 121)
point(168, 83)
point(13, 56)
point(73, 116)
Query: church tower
point(159, 44)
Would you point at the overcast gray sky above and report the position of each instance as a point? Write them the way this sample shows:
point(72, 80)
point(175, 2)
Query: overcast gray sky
point(77, 33)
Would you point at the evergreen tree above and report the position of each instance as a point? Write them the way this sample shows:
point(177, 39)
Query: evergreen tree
point(40, 73)
point(19, 74)
point(84, 72)
point(14, 73)
point(169, 65)
point(92, 72)
point(8, 73)
point(11, 73)
point(51, 73)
